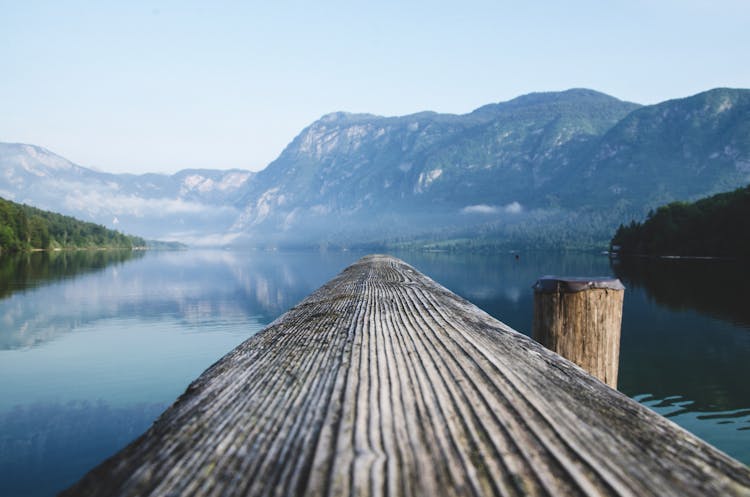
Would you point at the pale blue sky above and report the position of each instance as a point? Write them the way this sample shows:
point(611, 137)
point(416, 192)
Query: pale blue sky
point(160, 86)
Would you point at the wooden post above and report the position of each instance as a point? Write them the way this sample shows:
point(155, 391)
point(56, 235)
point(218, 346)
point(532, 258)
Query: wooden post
point(579, 318)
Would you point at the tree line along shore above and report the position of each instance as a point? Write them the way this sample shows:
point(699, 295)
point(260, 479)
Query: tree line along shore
point(716, 226)
point(25, 228)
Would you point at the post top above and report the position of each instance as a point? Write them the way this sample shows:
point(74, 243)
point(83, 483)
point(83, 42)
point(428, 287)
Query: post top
point(573, 284)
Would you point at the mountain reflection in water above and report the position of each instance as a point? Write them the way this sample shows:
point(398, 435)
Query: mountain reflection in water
point(187, 286)
point(717, 288)
point(19, 272)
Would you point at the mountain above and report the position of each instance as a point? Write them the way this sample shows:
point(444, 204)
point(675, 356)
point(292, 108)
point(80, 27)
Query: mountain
point(557, 169)
point(363, 177)
point(545, 169)
point(676, 150)
point(189, 205)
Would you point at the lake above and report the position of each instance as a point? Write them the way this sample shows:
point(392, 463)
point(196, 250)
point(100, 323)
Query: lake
point(95, 345)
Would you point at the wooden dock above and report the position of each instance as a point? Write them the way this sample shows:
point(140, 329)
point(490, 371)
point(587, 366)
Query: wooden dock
point(382, 382)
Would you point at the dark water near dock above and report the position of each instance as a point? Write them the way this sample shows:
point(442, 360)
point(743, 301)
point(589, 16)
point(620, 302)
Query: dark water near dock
point(94, 345)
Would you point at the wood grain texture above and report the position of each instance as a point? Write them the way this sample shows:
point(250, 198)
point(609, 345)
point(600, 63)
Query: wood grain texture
point(382, 382)
point(582, 326)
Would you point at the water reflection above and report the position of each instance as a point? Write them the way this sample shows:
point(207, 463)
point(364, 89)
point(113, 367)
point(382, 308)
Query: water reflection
point(685, 332)
point(21, 271)
point(44, 447)
point(717, 288)
point(190, 287)
point(88, 362)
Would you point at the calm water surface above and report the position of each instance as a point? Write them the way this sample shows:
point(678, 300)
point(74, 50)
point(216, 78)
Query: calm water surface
point(93, 346)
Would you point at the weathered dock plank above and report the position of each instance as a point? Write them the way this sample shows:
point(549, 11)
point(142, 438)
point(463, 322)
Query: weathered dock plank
point(382, 382)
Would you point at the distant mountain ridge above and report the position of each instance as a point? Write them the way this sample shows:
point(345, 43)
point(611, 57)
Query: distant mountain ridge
point(703, 141)
point(557, 169)
point(188, 205)
point(377, 172)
